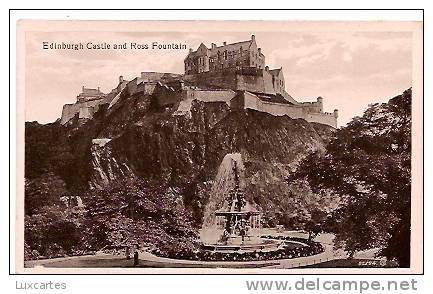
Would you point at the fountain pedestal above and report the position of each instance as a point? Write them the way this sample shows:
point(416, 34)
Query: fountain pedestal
point(238, 225)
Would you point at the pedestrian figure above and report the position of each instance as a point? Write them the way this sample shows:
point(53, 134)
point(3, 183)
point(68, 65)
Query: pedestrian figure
point(128, 252)
point(136, 258)
point(243, 234)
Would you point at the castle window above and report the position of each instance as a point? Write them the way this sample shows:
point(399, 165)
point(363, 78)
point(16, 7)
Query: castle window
point(225, 55)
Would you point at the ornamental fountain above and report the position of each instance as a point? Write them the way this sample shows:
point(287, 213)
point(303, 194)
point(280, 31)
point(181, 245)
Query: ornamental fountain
point(236, 225)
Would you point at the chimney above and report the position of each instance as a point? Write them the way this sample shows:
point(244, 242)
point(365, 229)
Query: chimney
point(224, 43)
point(213, 46)
point(120, 79)
point(82, 88)
point(319, 100)
point(190, 50)
point(253, 38)
point(99, 90)
point(260, 51)
point(336, 113)
point(267, 68)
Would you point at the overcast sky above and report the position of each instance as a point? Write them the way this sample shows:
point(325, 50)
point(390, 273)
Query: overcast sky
point(348, 69)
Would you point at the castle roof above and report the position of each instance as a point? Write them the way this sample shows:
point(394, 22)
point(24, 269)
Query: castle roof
point(90, 92)
point(275, 72)
point(274, 98)
point(235, 46)
point(229, 47)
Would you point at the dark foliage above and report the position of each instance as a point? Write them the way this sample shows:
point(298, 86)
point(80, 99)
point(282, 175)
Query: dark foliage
point(368, 164)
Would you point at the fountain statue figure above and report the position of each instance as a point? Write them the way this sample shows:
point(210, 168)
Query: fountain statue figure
point(238, 219)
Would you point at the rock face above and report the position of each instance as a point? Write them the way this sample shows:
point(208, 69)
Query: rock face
point(105, 167)
point(184, 151)
point(222, 185)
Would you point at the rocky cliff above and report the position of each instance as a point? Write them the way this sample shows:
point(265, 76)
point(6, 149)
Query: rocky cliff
point(187, 151)
point(137, 140)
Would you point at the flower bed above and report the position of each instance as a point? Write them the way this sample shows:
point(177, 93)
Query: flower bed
point(311, 248)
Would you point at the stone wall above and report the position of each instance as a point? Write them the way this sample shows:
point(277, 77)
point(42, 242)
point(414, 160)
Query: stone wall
point(316, 107)
point(267, 82)
point(277, 109)
point(253, 83)
point(83, 109)
point(251, 101)
point(225, 79)
point(86, 112)
point(210, 95)
point(325, 118)
point(246, 79)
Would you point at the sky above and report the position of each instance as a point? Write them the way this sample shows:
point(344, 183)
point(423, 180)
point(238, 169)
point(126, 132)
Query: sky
point(349, 69)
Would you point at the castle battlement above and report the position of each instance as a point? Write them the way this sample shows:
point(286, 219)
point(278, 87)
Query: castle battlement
point(88, 94)
point(241, 66)
point(248, 100)
point(232, 73)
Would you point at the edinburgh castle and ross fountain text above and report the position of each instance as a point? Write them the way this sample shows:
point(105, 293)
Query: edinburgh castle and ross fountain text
point(112, 46)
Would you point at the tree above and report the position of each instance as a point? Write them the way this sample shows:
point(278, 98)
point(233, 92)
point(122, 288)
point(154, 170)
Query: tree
point(307, 210)
point(51, 232)
point(368, 165)
point(42, 191)
point(316, 224)
point(136, 212)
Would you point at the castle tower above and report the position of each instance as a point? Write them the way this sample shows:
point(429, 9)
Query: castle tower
point(320, 103)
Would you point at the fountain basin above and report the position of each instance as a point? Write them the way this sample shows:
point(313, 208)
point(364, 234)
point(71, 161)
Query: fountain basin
point(251, 245)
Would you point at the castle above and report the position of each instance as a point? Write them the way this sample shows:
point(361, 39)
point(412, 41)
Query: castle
point(232, 73)
point(244, 58)
point(240, 54)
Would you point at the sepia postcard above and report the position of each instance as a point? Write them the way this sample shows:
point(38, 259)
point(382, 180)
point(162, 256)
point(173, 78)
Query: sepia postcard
point(213, 147)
